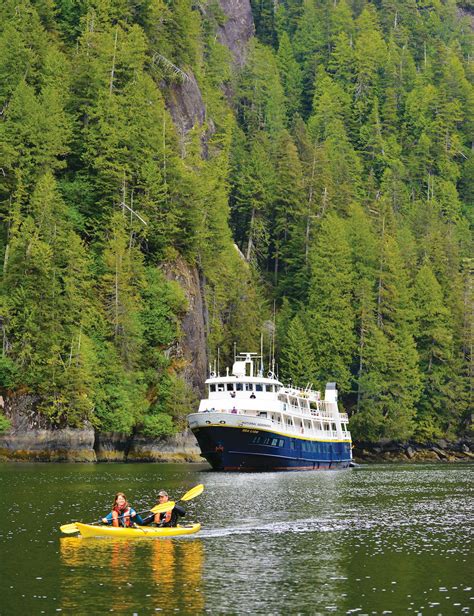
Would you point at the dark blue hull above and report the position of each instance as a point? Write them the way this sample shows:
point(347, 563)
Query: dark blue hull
point(241, 449)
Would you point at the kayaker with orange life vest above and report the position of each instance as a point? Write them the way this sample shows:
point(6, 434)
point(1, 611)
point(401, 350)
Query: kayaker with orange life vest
point(122, 514)
point(168, 518)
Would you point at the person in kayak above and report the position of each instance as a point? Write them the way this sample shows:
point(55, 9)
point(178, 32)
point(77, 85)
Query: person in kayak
point(168, 518)
point(122, 514)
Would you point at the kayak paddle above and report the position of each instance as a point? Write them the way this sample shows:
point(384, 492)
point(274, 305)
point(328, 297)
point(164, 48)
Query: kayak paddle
point(190, 494)
point(193, 492)
point(69, 529)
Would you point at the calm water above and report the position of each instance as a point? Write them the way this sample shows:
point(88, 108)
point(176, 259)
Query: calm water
point(372, 540)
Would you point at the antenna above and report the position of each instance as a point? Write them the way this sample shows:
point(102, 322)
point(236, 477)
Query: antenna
point(273, 337)
point(261, 354)
point(235, 351)
point(218, 357)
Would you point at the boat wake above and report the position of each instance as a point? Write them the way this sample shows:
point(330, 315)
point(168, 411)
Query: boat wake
point(310, 525)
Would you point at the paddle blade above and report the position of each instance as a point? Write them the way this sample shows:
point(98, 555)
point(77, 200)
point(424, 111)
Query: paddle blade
point(196, 491)
point(68, 529)
point(164, 507)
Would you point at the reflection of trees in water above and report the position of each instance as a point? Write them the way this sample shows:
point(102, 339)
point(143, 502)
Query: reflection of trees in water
point(104, 573)
point(177, 566)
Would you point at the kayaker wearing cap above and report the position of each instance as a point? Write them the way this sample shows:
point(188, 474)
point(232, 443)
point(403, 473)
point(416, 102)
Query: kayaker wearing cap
point(168, 518)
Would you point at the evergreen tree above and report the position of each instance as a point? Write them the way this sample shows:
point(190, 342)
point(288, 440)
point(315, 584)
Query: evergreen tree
point(330, 312)
point(297, 360)
point(290, 76)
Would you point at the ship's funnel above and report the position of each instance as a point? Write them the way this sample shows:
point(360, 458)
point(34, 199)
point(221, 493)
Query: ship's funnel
point(238, 369)
point(330, 394)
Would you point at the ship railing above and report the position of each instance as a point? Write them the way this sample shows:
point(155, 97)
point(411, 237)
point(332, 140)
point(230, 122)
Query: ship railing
point(322, 414)
point(344, 416)
point(310, 433)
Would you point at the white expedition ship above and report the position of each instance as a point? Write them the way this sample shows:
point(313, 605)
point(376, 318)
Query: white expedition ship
point(252, 422)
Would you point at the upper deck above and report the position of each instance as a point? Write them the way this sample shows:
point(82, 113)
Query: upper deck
point(245, 392)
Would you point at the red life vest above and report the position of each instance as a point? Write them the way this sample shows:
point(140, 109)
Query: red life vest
point(117, 513)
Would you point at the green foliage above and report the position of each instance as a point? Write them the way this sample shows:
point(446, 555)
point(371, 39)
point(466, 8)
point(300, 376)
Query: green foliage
point(159, 425)
point(8, 373)
point(4, 424)
point(338, 159)
point(330, 313)
point(297, 360)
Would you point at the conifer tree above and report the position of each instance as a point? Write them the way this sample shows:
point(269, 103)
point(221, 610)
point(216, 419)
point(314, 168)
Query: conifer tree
point(297, 360)
point(330, 312)
point(290, 76)
point(437, 407)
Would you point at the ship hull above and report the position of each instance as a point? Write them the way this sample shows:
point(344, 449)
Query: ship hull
point(229, 448)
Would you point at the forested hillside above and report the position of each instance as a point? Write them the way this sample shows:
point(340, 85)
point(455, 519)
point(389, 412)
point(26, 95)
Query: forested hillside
point(328, 181)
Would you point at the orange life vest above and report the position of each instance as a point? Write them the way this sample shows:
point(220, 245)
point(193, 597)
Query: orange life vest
point(118, 513)
point(163, 518)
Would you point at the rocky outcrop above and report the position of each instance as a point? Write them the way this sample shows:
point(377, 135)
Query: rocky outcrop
point(237, 29)
point(183, 97)
point(192, 349)
point(179, 448)
point(187, 108)
point(111, 446)
point(392, 451)
point(32, 437)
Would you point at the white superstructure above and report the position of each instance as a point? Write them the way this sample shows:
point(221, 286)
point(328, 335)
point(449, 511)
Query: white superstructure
point(248, 399)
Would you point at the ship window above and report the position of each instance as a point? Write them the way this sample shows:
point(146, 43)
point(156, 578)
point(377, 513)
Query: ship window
point(248, 386)
point(230, 387)
point(239, 386)
point(220, 387)
point(275, 442)
point(292, 444)
point(333, 426)
point(258, 387)
point(281, 442)
point(212, 388)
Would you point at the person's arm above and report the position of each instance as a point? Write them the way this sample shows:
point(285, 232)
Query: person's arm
point(107, 519)
point(136, 518)
point(139, 520)
point(148, 520)
point(181, 511)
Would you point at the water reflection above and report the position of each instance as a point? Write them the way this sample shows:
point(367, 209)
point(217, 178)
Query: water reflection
point(133, 573)
point(379, 540)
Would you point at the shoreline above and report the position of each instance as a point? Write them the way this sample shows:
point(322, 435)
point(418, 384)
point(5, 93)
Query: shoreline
point(84, 446)
point(441, 450)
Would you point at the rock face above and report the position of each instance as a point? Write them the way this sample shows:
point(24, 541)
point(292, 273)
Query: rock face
point(442, 450)
point(33, 438)
point(111, 446)
point(238, 28)
point(179, 448)
point(192, 349)
point(185, 104)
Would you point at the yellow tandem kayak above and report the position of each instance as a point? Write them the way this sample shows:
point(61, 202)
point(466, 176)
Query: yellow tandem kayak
point(87, 530)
